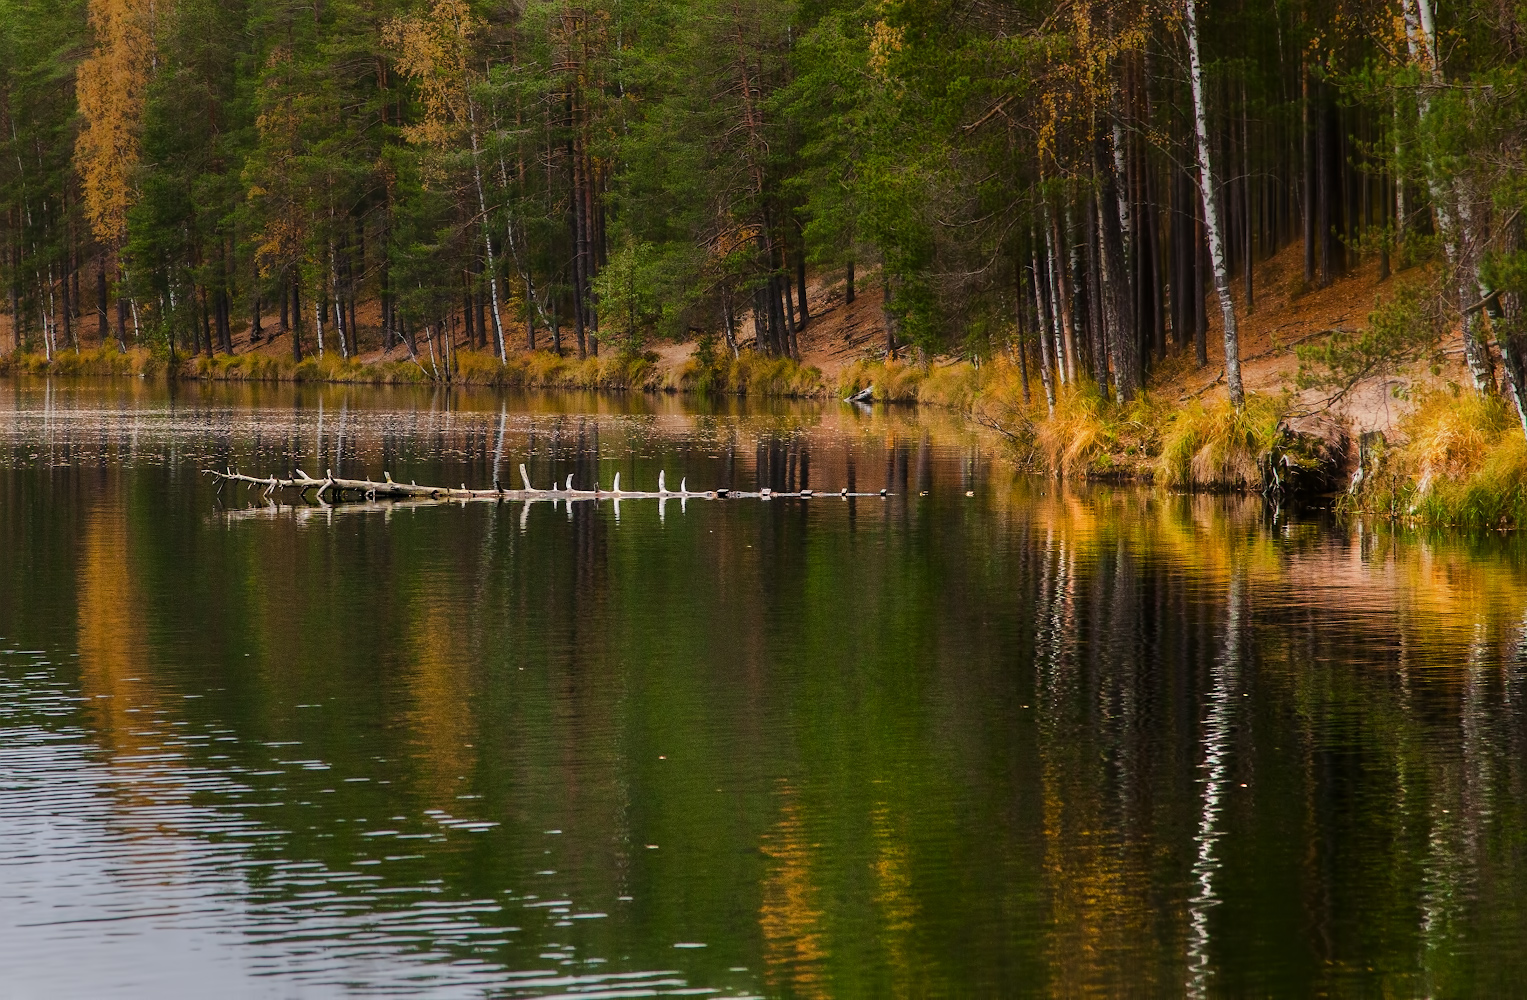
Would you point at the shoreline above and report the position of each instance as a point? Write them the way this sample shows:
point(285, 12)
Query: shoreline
point(752, 374)
point(1458, 461)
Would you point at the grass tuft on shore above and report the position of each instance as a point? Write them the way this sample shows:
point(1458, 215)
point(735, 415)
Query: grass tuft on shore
point(530, 370)
point(1462, 462)
point(103, 360)
point(748, 374)
point(1216, 447)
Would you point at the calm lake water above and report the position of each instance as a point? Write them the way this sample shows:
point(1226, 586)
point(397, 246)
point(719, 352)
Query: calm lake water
point(1038, 740)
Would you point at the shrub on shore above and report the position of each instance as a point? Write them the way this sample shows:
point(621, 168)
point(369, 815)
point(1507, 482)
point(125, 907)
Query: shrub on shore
point(531, 370)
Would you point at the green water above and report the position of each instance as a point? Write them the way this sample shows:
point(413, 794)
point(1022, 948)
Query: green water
point(1037, 740)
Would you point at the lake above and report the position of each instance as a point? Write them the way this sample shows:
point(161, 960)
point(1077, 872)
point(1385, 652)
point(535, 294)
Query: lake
point(988, 735)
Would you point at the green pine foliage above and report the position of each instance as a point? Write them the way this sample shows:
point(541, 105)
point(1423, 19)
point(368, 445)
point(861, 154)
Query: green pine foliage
point(610, 175)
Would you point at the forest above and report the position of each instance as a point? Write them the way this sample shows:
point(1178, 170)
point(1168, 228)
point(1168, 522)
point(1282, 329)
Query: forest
point(1074, 187)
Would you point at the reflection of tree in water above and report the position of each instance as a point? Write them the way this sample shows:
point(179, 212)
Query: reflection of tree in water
point(782, 462)
point(1217, 745)
point(1097, 912)
point(896, 902)
point(113, 640)
point(439, 670)
point(790, 914)
point(125, 703)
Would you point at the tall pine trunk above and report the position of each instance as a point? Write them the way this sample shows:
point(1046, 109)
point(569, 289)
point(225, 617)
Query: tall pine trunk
point(296, 290)
point(102, 326)
point(1118, 305)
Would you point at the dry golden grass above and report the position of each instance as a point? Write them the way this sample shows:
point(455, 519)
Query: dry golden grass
point(1462, 463)
point(749, 374)
point(1215, 446)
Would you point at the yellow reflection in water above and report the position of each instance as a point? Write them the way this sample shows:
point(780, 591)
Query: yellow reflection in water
point(893, 897)
point(113, 642)
point(440, 685)
point(790, 914)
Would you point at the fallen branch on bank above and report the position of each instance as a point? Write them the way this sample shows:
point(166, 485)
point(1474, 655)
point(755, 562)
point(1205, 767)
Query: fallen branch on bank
point(338, 489)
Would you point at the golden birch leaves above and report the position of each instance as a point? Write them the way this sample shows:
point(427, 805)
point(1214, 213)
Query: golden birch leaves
point(432, 50)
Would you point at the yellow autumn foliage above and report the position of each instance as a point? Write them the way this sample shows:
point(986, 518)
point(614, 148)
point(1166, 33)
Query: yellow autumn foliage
point(432, 51)
point(111, 84)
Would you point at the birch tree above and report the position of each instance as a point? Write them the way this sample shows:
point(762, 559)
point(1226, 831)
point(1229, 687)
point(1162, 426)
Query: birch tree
point(1206, 187)
point(433, 51)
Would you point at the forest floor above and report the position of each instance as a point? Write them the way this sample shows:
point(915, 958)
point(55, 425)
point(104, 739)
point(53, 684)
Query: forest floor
point(841, 335)
point(843, 348)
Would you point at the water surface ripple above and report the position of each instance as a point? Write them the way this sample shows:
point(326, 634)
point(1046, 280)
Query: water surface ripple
point(991, 735)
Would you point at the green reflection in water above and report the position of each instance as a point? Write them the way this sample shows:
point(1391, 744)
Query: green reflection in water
point(1040, 740)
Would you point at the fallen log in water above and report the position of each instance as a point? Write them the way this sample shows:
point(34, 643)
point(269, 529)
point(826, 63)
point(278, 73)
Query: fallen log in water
point(388, 489)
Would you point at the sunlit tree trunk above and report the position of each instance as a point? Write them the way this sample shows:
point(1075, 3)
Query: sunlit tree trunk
point(487, 238)
point(1211, 212)
point(1452, 213)
point(1044, 337)
point(1020, 312)
point(1063, 298)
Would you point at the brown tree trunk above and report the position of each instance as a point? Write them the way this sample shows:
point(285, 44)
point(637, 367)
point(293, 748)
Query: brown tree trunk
point(122, 317)
point(1097, 329)
point(1117, 304)
point(800, 280)
point(205, 343)
point(225, 320)
point(296, 319)
point(102, 326)
point(1200, 291)
point(1248, 254)
point(482, 311)
point(575, 165)
point(1310, 159)
point(1020, 311)
point(468, 310)
point(64, 311)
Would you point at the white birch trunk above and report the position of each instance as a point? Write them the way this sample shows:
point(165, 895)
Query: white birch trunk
point(487, 238)
point(49, 311)
point(339, 311)
point(1044, 336)
point(1118, 168)
point(1453, 222)
point(1211, 212)
point(1064, 358)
